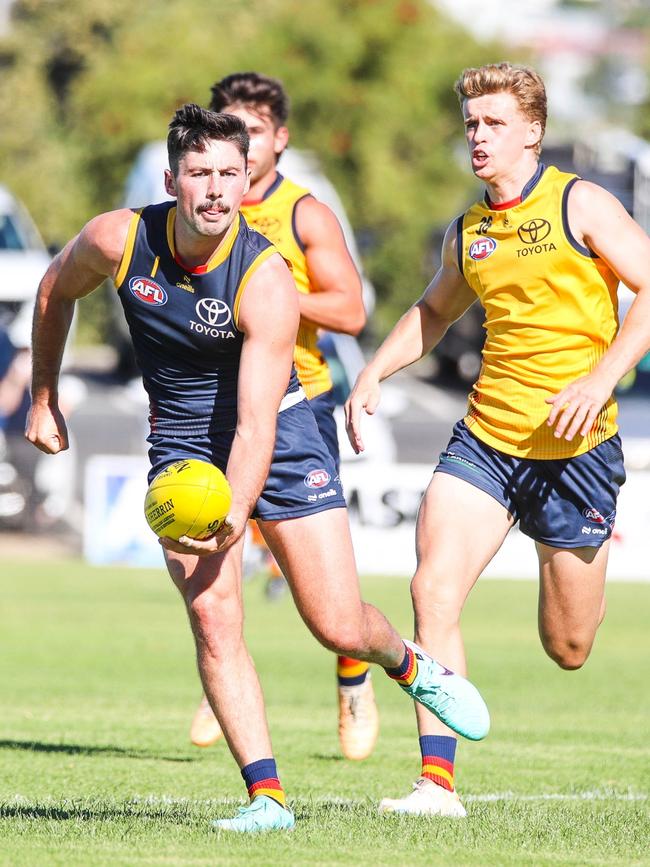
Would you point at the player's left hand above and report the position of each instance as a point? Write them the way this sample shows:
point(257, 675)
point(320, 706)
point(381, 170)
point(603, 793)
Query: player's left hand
point(576, 407)
point(225, 537)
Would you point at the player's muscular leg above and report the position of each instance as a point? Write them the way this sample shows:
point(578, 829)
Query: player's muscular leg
point(459, 530)
point(571, 601)
point(211, 588)
point(316, 555)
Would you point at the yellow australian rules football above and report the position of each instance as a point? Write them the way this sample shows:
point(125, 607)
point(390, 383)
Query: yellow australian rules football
point(187, 498)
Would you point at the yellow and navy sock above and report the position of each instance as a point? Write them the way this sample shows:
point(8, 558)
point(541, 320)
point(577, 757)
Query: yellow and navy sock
point(438, 753)
point(406, 673)
point(261, 778)
point(351, 672)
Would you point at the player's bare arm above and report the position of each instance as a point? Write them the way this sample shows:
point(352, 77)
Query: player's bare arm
point(269, 318)
point(599, 221)
point(78, 269)
point(335, 302)
point(421, 328)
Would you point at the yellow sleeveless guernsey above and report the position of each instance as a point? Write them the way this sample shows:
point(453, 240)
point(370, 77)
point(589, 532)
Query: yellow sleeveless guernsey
point(273, 217)
point(551, 313)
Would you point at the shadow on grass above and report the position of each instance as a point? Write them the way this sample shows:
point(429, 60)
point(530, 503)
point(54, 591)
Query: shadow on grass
point(333, 810)
point(327, 757)
point(89, 750)
point(88, 814)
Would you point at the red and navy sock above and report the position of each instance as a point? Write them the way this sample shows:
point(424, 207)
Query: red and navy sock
point(438, 753)
point(406, 673)
point(351, 672)
point(261, 778)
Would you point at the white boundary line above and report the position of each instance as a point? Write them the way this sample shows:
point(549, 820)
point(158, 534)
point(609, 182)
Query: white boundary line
point(490, 797)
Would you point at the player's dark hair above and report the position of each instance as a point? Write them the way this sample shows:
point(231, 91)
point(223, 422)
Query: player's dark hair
point(192, 127)
point(254, 90)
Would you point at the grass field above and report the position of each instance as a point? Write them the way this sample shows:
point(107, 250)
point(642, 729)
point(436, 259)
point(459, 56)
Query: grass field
point(99, 688)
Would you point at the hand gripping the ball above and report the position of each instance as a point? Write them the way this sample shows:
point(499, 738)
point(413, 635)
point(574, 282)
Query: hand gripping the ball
point(225, 537)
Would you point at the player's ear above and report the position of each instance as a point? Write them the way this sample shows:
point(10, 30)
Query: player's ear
point(281, 140)
point(534, 134)
point(247, 185)
point(170, 184)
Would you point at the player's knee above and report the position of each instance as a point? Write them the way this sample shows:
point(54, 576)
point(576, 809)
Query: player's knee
point(214, 629)
point(569, 654)
point(435, 600)
point(342, 638)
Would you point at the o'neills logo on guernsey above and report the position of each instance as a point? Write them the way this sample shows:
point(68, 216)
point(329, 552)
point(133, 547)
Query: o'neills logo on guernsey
point(481, 248)
point(147, 290)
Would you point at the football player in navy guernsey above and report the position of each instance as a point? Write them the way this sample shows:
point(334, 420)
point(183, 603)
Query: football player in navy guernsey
point(213, 314)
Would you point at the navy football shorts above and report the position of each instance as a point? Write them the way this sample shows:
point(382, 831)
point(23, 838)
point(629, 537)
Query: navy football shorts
point(303, 478)
point(568, 503)
point(323, 407)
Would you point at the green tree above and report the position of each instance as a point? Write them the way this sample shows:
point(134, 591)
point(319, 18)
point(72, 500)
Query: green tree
point(371, 87)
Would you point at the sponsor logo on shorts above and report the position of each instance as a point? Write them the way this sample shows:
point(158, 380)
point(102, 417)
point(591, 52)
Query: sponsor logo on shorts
point(452, 457)
point(593, 515)
point(482, 248)
point(594, 531)
point(317, 478)
point(147, 290)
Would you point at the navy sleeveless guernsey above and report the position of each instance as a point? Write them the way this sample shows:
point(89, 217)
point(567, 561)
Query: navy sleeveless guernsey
point(183, 323)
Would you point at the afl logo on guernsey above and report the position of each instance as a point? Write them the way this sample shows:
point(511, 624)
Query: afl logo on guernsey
point(148, 291)
point(317, 478)
point(481, 248)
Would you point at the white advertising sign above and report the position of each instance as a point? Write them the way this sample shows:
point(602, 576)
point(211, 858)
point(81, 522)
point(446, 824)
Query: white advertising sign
point(383, 500)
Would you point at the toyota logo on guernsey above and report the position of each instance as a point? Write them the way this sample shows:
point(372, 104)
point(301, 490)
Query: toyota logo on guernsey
point(213, 312)
point(534, 231)
point(215, 315)
point(317, 478)
point(148, 291)
point(482, 248)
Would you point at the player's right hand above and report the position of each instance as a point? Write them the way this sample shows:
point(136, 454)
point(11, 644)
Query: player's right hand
point(225, 537)
point(46, 429)
point(364, 396)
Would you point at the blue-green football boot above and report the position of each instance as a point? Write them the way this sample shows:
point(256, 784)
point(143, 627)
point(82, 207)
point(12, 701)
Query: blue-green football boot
point(451, 697)
point(262, 814)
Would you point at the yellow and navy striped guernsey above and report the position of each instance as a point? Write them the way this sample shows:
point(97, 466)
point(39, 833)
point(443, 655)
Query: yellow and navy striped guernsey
point(274, 217)
point(184, 321)
point(551, 313)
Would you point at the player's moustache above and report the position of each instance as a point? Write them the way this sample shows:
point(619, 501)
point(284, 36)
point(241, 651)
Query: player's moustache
point(209, 206)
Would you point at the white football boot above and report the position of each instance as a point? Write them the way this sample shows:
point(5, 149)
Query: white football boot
point(205, 729)
point(426, 799)
point(358, 720)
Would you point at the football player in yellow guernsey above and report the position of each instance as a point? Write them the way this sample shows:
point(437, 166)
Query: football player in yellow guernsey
point(309, 236)
point(544, 252)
